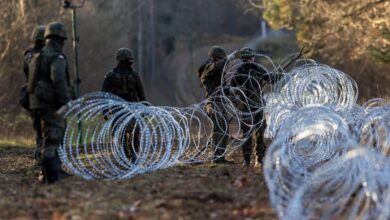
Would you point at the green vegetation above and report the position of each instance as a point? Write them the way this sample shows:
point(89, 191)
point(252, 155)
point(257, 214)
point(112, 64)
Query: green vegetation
point(15, 129)
point(335, 30)
point(381, 55)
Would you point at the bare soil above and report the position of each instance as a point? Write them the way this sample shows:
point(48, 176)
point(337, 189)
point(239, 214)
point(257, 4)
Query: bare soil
point(206, 191)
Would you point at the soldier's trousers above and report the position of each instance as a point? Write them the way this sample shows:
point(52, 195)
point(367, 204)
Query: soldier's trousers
point(131, 138)
point(220, 133)
point(36, 119)
point(258, 133)
point(50, 127)
point(132, 141)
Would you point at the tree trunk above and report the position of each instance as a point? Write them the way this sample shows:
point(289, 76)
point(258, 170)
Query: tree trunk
point(152, 42)
point(140, 39)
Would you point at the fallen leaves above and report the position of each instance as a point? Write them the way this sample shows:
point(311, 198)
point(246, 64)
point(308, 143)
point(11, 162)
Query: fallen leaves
point(205, 191)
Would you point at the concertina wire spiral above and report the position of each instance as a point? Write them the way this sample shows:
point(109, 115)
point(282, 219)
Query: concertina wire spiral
point(328, 158)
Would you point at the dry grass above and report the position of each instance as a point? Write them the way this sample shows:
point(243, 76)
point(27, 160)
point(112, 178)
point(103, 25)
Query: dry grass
point(19, 141)
point(205, 191)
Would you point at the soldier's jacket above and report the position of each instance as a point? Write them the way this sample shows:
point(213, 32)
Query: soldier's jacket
point(48, 71)
point(252, 78)
point(27, 58)
point(125, 83)
point(210, 74)
point(202, 67)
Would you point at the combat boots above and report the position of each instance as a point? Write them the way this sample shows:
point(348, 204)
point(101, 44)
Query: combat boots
point(247, 160)
point(130, 153)
point(51, 170)
point(218, 158)
point(222, 160)
point(259, 161)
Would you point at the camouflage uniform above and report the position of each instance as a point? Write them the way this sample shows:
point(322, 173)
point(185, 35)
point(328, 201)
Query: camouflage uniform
point(126, 83)
point(254, 94)
point(49, 88)
point(38, 37)
point(210, 74)
point(39, 42)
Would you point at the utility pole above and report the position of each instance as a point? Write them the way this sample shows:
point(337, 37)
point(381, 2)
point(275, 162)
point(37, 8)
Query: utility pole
point(70, 5)
point(263, 29)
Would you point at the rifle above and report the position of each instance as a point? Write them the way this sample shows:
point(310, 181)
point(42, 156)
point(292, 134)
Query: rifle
point(294, 59)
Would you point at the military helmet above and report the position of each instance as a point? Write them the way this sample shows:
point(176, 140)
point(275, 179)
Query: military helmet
point(38, 33)
point(247, 53)
point(55, 29)
point(124, 54)
point(217, 52)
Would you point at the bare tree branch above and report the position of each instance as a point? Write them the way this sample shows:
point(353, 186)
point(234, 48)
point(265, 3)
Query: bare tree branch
point(258, 4)
point(5, 51)
point(366, 7)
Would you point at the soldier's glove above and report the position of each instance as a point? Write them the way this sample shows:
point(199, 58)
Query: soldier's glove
point(147, 104)
point(237, 54)
point(66, 107)
point(62, 111)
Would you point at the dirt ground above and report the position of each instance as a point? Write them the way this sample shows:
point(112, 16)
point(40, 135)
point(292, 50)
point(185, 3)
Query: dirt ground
point(206, 191)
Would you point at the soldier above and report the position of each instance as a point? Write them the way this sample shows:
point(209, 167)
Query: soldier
point(251, 78)
point(49, 88)
point(38, 37)
point(39, 42)
point(126, 83)
point(210, 74)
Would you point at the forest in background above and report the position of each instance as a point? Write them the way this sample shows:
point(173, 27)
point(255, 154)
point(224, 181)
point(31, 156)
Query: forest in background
point(171, 38)
point(157, 31)
point(352, 35)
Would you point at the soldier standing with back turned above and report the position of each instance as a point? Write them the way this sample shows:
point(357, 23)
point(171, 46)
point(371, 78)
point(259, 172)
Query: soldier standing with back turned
point(49, 88)
point(126, 83)
point(252, 78)
point(38, 37)
point(210, 74)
